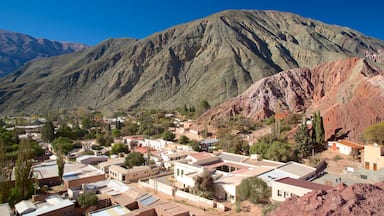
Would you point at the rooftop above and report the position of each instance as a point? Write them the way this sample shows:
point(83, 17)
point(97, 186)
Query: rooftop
point(201, 155)
point(233, 157)
point(52, 203)
point(297, 169)
point(5, 209)
point(86, 171)
point(112, 161)
point(351, 144)
point(303, 184)
point(265, 163)
point(116, 210)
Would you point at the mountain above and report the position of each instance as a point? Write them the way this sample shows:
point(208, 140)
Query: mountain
point(213, 59)
point(357, 199)
point(17, 49)
point(349, 94)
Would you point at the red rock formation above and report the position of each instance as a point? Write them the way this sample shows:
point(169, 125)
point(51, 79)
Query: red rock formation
point(357, 199)
point(349, 94)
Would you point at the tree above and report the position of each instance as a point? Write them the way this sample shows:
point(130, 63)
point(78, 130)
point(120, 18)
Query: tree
point(204, 184)
point(280, 151)
point(5, 175)
point(48, 132)
point(60, 165)
point(183, 139)
point(204, 106)
point(118, 148)
point(375, 133)
point(62, 145)
point(303, 141)
point(116, 133)
point(168, 135)
point(23, 170)
point(87, 199)
point(253, 189)
point(318, 128)
point(134, 159)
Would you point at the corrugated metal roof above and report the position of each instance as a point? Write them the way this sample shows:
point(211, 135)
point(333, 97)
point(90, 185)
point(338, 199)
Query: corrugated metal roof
point(147, 200)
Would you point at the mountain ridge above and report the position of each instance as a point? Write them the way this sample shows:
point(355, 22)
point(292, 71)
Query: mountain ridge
point(213, 58)
point(16, 49)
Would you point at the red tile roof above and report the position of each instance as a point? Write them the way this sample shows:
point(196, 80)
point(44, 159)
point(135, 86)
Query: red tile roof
point(201, 155)
point(303, 184)
point(351, 144)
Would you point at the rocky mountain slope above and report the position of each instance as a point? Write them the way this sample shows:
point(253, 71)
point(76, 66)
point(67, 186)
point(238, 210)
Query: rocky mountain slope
point(357, 199)
point(213, 59)
point(17, 49)
point(349, 94)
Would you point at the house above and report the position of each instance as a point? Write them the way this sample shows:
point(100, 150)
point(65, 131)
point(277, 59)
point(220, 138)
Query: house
point(286, 187)
point(54, 205)
point(132, 174)
point(373, 157)
point(104, 166)
point(171, 156)
point(91, 159)
point(208, 144)
point(85, 174)
point(133, 141)
point(345, 147)
point(228, 170)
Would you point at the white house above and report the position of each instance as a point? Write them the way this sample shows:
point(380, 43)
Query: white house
point(344, 146)
point(285, 187)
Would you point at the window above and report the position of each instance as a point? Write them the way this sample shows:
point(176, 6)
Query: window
point(177, 172)
point(123, 178)
point(182, 173)
point(367, 165)
point(286, 194)
point(279, 193)
point(374, 166)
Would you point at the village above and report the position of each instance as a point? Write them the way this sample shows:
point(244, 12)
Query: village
point(184, 172)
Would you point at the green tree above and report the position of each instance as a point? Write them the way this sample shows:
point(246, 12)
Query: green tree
point(119, 148)
point(204, 184)
point(183, 139)
point(116, 133)
point(60, 165)
point(87, 199)
point(303, 140)
point(134, 159)
point(280, 151)
point(62, 145)
point(23, 174)
point(204, 106)
point(375, 133)
point(260, 148)
point(5, 175)
point(253, 189)
point(318, 128)
point(48, 132)
point(195, 145)
point(168, 135)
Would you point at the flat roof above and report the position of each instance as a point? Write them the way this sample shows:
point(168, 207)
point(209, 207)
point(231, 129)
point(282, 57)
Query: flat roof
point(297, 169)
point(84, 172)
point(52, 203)
point(130, 170)
point(303, 184)
point(233, 157)
point(351, 144)
point(275, 174)
point(171, 208)
point(112, 161)
point(267, 163)
point(116, 210)
point(5, 209)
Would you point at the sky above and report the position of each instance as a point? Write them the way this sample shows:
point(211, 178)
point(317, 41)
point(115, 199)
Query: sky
point(92, 21)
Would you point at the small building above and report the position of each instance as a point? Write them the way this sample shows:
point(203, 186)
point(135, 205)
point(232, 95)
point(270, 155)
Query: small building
point(54, 205)
point(286, 187)
point(208, 144)
point(345, 147)
point(84, 175)
point(373, 157)
point(104, 166)
point(133, 174)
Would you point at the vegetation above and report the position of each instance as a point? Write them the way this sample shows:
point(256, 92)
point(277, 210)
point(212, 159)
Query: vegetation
point(204, 185)
point(168, 135)
point(48, 132)
point(183, 139)
point(231, 142)
point(375, 133)
point(273, 149)
point(270, 207)
point(253, 189)
point(134, 159)
point(119, 148)
point(23, 172)
point(87, 199)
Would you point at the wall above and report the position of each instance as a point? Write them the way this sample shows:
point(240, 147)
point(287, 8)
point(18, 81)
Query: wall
point(286, 191)
point(373, 154)
point(80, 181)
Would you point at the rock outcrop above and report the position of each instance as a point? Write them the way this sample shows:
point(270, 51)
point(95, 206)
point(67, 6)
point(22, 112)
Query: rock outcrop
point(349, 93)
point(213, 59)
point(17, 49)
point(357, 199)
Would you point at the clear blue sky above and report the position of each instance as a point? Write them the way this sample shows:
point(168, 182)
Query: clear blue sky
point(91, 21)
